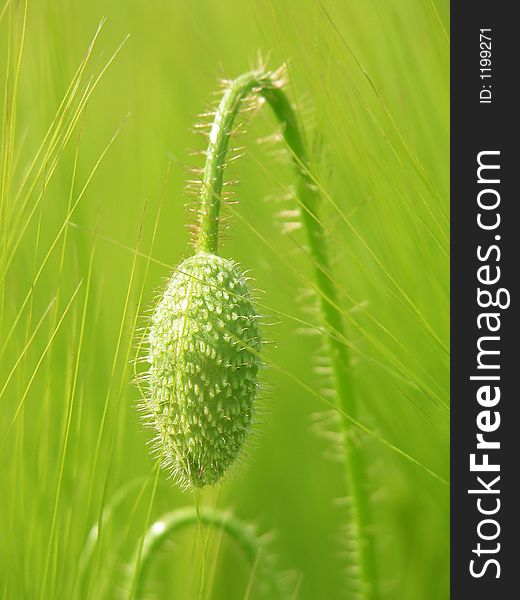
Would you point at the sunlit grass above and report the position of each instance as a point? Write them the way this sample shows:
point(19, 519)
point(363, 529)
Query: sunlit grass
point(95, 133)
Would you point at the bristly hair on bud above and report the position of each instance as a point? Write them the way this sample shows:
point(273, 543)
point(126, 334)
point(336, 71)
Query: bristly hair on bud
point(204, 348)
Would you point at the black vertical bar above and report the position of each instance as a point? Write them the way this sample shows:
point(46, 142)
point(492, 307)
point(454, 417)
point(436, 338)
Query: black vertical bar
point(479, 126)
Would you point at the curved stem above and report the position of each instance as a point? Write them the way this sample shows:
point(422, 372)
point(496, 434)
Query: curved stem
point(184, 517)
point(269, 86)
point(221, 131)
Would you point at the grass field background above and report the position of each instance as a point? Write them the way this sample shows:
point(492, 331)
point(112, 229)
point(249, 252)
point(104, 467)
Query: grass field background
point(92, 222)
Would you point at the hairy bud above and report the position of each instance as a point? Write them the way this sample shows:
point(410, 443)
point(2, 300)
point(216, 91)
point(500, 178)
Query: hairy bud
point(204, 343)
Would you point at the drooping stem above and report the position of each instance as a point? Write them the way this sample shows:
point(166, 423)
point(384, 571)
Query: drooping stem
point(269, 86)
point(174, 521)
point(221, 131)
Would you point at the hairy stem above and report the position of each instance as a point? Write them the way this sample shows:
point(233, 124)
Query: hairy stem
point(184, 517)
point(268, 86)
point(221, 131)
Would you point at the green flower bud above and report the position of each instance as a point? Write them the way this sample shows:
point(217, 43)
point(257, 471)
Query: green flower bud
point(204, 343)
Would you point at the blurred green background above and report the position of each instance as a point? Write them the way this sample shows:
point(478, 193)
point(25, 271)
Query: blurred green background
point(371, 83)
